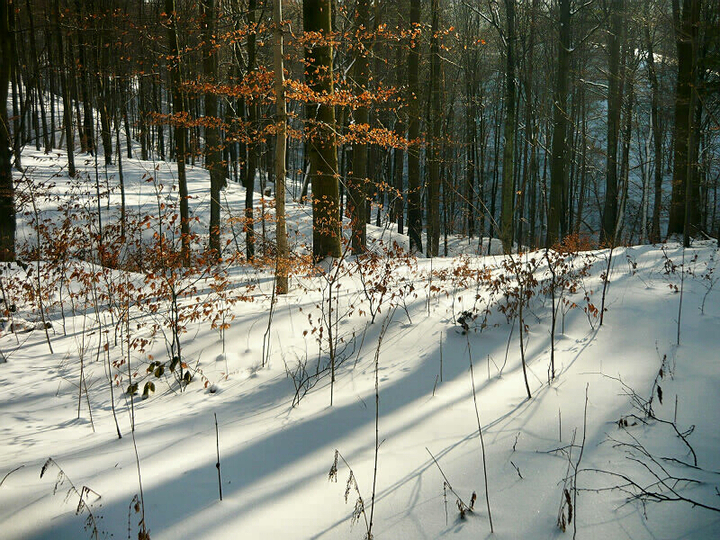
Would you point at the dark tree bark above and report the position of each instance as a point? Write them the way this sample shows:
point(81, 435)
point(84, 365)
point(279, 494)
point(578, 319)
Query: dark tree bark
point(433, 222)
point(281, 272)
point(399, 153)
point(508, 188)
point(37, 83)
point(88, 129)
point(557, 205)
point(252, 148)
point(414, 204)
point(180, 129)
point(213, 150)
point(358, 180)
point(104, 89)
point(7, 189)
point(67, 105)
point(656, 133)
point(322, 147)
point(614, 106)
point(686, 22)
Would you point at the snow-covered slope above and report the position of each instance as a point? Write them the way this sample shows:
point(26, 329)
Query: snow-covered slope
point(587, 432)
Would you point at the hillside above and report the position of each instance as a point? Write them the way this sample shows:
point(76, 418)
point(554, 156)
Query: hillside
point(622, 443)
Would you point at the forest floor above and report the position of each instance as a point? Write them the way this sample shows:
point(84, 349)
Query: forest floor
point(622, 443)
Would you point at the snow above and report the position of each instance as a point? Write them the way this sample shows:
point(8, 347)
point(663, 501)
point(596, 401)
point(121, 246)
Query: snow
point(276, 457)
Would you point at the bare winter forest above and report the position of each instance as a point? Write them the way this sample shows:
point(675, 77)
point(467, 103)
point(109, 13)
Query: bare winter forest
point(359, 269)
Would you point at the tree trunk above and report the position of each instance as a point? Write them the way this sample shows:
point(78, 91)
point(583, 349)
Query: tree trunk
point(414, 203)
point(508, 191)
point(213, 151)
point(433, 224)
point(322, 147)
point(180, 129)
point(36, 79)
point(252, 147)
point(7, 188)
point(283, 255)
point(558, 160)
point(614, 106)
point(358, 180)
point(67, 105)
point(656, 134)
point(88, 129)
point(685, 29)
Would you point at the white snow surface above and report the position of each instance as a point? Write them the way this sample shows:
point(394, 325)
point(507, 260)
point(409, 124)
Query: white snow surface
point(275, 457)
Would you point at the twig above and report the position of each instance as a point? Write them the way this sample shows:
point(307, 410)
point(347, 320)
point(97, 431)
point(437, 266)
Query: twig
point(577, 463)
point(482, 442)
point(8, 474)
point(447, 482)
point(383, 329)
point(217, 465)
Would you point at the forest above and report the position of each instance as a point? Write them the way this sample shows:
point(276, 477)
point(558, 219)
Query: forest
point(366, 269)
point(523, 121)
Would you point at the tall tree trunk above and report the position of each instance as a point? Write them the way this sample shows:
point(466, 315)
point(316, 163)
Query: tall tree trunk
point(558, 160)
point(614, 107)
point(656, 134)
point(359, 178)
point(88, 129)
point(399, 153)
point(283, 255)
point(414, 203)
point(433, 222)
point(16, 90)
point(180, 129)
point(322, 148)
point(508, 191)
point(103, 87)
point(471, 149)
point(685, 28)
point(252, 147)
point(67, 105)
point(7, 188)
point(37, 83)
point(213, 151)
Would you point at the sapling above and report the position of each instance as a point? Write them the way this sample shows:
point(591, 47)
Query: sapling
point(217, 464)
point(480, 435)
point(605, 276)
point(518, 296)
point(140, 502)
point(553, 314)
point(682, 288)
point(709, 279)
point(266, 335)
point(82, 383)
point(41, 308)
point(384, 328)
point(567, 513)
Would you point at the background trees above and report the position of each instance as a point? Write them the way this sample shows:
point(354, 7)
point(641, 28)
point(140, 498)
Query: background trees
point(7, 190)
point(521, 120)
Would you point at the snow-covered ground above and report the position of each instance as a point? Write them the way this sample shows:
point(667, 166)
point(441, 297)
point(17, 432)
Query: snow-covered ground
point(578, 451)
